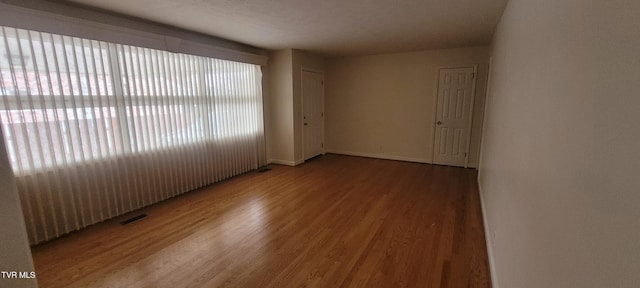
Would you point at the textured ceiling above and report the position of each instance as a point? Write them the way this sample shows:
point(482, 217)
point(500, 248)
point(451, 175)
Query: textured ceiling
point(329, 27)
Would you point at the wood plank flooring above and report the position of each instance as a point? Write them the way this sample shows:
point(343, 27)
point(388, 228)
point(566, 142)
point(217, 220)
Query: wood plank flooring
point(336, 221)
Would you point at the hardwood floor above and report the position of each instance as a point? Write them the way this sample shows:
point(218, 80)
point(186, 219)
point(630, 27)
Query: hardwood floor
point(336, 221)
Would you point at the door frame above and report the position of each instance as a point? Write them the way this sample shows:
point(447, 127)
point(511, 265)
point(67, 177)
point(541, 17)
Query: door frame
point(305, 69)
point(435, 110)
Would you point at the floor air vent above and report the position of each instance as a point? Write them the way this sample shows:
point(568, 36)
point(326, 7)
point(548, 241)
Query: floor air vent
point(264, 169)
point(133, 219)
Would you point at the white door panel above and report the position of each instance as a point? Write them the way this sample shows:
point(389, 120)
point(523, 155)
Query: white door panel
point(453, 116)
point(313, 114)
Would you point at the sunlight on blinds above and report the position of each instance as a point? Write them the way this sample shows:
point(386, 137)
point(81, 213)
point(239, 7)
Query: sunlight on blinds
point(96, 129)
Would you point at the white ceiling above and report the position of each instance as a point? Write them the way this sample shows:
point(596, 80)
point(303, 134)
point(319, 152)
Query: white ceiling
point(329, 27)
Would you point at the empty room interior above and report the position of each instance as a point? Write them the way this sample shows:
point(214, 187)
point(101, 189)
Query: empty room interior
point(365, 143)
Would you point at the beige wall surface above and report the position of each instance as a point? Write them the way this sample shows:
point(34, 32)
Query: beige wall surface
point(559, 167)
point(279, 108)
point(15, 254)
point(383, 105)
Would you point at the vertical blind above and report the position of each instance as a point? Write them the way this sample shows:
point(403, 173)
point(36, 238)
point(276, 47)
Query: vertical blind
point(95, 129)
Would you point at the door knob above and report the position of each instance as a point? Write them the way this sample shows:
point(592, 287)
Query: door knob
point(439, 123)
point(305, 124)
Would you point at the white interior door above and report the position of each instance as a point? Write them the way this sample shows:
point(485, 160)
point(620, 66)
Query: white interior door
point(456, 87)
point(313, 113)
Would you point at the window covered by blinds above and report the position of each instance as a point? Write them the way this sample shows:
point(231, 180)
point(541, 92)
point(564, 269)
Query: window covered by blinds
point(96, 129)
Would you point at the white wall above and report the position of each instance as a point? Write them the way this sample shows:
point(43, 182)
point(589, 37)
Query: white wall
point(383, 105)
point(15, 254)
point(559, 167)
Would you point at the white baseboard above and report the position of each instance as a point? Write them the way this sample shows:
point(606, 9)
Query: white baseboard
point(489, 239)
point(379, 156)
point(284, 162)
